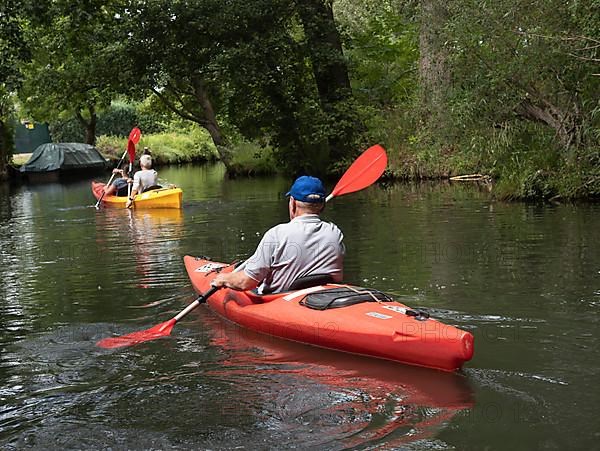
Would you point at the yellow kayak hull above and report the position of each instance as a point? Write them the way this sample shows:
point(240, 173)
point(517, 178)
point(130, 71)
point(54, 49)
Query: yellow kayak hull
point(156, 198)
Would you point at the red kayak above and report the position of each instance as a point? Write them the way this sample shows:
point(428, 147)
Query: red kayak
point(341, 317)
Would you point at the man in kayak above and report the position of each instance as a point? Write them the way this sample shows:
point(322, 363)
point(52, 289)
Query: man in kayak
point(143, 179)
point(305, 246)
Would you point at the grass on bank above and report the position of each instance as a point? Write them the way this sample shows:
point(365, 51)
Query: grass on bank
point(20, 159)
point(166, 148)
point(248, 159)
point(524, 175)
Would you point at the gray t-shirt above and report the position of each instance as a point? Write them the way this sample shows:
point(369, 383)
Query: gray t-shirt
point(304, 246)
point(144, 179)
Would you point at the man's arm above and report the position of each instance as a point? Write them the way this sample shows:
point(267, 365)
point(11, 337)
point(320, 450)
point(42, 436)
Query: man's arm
point(235, 280)
point(257, 265)
point(134, 190)
point(130, 200)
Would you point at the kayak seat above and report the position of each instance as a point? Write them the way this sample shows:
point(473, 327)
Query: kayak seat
point(150, 188)
point(310, 281)
point(299, 284)
point(342, 297)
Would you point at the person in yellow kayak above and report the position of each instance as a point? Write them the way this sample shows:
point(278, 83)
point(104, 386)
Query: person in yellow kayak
point(144, 179)
point(120, 185)
point(304, 248)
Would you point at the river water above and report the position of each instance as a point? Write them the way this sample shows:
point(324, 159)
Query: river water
point(524, 279)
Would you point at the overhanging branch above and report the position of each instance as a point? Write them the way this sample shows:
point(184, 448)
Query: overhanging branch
point(179, 111)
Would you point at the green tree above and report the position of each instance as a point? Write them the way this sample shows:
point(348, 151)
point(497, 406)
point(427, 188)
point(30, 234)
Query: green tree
point(435, 75)
point(73, 71)
point(247, 66)
point(381, 41)
point(13, 51)
point(331, 75)
point(173, 52)
point(535, 64)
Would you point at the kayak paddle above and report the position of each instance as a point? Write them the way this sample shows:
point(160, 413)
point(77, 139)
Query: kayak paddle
point(110, 180)
point(158, 331)
point(134, 137)
point(365, 170)
point(131, 152)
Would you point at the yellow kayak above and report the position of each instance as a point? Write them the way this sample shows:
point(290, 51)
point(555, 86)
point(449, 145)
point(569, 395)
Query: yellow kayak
point(156, 198)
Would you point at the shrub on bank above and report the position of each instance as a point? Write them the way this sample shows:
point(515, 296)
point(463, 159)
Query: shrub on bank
point(166, 148)
point(251, 159)
point(536, 173)
point(525, 161)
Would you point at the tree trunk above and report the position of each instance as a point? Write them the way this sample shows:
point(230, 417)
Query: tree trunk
point(567, 124)
point(206, 118)
point(210, 122)
point(329, 66)
point(4, 150)
point(89, 126)
point(433, 68)
point(331, 74)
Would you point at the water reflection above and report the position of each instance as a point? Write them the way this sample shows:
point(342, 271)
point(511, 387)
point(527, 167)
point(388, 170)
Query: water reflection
point(523, 278)
point(151, 239)
point(352, 401)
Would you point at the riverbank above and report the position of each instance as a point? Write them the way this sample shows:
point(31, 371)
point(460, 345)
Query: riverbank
point(165, 148)
point(523, 176)
point(526, 176)
point(248, 159)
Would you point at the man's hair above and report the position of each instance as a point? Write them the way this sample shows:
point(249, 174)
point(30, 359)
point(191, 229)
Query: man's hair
point(311, 207)
point(146, 161)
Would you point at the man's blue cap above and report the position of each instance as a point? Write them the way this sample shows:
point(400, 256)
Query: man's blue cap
point(307, 189)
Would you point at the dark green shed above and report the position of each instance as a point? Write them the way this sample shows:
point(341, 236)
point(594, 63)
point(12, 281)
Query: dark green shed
point(30, 135)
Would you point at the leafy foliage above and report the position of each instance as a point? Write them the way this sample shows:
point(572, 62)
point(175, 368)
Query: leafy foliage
point(514, 92)
point(116, 120)
point(73, 69)
point(13, 50)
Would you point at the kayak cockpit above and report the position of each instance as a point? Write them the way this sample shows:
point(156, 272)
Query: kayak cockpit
point(323, 297)
point(333, 296)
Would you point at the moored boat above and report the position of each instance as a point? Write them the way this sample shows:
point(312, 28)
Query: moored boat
point(341, 317)
point(53, 162)
point(155, 198)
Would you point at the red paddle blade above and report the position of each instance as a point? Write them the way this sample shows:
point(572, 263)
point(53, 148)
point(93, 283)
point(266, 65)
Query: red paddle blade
point(158, 331)
point(135, 135)
point(365, 170)
point(131, 150)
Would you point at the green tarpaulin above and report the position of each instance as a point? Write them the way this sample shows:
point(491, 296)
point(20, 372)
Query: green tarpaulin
point(64, 156)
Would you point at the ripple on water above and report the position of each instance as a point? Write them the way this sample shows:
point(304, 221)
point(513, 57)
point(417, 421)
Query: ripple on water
point(330, 400)
point(231, 390)
point(523, 280)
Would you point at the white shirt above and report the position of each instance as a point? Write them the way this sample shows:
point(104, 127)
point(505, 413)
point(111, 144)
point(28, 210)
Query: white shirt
point(144, 179)
point(304, 246)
